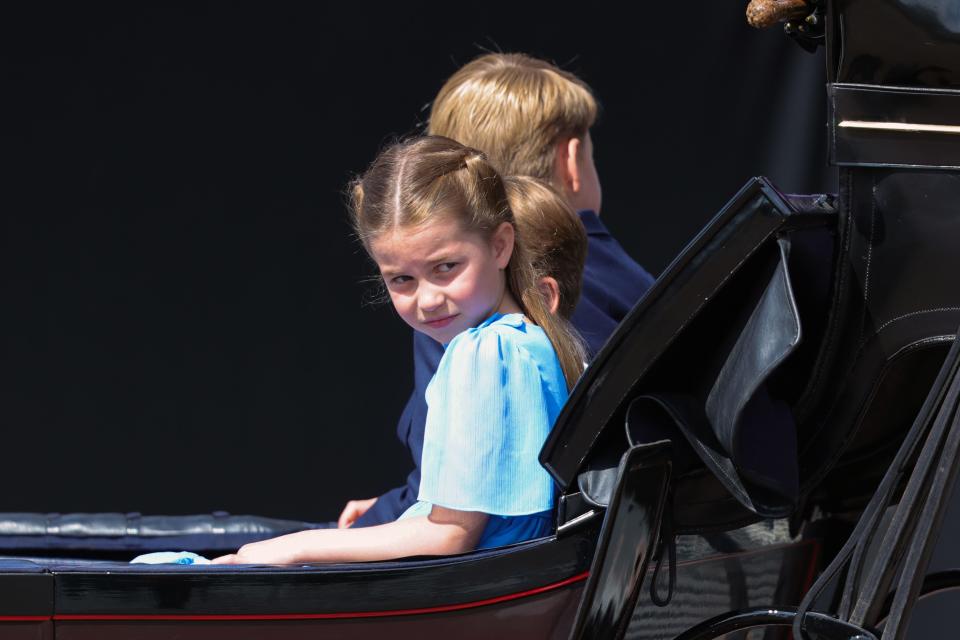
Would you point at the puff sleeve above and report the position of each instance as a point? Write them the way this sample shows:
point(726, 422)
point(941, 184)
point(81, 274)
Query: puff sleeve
point(490, 409)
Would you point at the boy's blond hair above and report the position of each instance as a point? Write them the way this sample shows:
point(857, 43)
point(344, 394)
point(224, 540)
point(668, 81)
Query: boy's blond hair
point(515, 109)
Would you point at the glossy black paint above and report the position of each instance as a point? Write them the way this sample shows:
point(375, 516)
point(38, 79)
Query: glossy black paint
point(824, 626)
point(894, 313)
point(543, 617)
point(738, 621)
point(732, 580)
point(893, 310)
point(912, 43)
point(852, 146)
point(117, 590)
point(25, 589)
point(27, 630)
point(630, 531)
point(755, 566)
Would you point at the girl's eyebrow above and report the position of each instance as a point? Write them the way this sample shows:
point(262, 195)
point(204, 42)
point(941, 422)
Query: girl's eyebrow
point(443, 254)
point(446, 256)
point(393, 273)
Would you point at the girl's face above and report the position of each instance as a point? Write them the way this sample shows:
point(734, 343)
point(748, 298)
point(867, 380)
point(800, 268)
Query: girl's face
point(443, 280)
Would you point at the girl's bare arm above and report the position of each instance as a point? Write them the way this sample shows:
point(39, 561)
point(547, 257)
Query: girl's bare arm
point(443, 532)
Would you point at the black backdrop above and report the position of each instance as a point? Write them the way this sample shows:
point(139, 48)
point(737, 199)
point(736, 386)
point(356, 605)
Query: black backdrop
point(182, 325)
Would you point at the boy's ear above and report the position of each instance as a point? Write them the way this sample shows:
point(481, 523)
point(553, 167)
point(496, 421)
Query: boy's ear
point(502, 243)
point(551, 292)
point(566, 166)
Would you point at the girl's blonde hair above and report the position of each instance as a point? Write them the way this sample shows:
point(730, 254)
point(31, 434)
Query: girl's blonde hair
point(515, 108)
point(553, 234)
point(432, 178)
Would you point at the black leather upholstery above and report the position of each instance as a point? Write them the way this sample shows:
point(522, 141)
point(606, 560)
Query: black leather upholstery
point(702, 360)
point(103, 533)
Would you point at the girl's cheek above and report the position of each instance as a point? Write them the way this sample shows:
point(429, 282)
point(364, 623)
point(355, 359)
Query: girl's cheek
point(399, 303)
point(468, 281)
point(460, 290)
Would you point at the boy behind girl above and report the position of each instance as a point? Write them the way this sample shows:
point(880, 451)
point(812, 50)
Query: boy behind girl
point(531, 119)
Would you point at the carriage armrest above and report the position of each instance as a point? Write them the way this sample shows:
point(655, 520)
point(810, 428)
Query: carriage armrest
point(126, 533)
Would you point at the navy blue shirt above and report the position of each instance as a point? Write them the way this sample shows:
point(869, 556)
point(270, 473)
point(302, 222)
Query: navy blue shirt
point(612, 285)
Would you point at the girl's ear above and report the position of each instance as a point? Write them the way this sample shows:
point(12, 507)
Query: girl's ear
point(550, 291)
point(502, 243)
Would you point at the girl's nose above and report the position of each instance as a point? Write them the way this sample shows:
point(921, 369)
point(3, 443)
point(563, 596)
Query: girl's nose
point(430, 298)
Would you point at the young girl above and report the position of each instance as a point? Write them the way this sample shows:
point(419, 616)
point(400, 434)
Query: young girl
point(434, 216)
point(556, 241)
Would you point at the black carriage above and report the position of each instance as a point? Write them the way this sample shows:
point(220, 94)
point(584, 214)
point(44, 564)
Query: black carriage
point(783, 399)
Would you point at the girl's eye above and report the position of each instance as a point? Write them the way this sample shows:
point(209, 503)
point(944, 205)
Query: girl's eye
point(399, 280)
point(446, 267)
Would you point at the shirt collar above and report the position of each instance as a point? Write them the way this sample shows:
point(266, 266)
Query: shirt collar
point(591, 222)
point(510, 319)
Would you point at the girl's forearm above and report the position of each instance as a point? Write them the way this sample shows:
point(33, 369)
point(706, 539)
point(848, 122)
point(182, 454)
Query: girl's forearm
point(403, 538)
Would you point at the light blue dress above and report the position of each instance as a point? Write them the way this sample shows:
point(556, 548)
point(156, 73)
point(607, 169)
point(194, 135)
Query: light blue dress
point(496, 394)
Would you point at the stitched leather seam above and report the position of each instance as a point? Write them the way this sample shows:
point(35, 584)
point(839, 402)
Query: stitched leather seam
point(913, 313)
point(846, 272)
point(866, 276)
point(832, 331)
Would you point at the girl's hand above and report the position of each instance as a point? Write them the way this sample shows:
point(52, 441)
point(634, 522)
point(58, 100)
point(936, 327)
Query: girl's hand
point(353, 510)
point(282, 550)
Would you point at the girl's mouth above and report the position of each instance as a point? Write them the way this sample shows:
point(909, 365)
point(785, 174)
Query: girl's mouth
point(440, 323)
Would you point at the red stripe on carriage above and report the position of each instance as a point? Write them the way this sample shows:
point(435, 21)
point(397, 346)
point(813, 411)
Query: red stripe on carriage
point(318, 616)
point(812, 573)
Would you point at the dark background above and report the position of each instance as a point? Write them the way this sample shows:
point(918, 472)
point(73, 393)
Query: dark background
point(183, 325)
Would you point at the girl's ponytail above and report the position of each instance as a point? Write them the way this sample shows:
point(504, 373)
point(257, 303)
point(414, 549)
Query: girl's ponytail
point(554, 242)
point(522, 279)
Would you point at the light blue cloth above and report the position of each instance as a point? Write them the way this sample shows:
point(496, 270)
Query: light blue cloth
point(170, 557)
point(496, 394)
